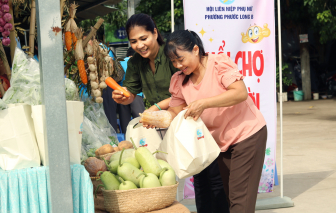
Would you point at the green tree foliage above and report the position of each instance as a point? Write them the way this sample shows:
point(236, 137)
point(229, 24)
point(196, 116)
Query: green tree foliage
point(160, 11)
point(319, 14)
point(323, 14)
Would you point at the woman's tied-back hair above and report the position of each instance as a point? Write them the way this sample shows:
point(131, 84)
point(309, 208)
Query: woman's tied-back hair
point(184, 40)
point(145, 21)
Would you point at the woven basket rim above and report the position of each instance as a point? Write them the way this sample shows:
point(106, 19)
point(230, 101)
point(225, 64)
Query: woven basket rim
point(130, 190)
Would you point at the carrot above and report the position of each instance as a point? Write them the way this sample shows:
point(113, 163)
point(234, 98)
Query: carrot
point(74, 39)
point(68, 40)
point(79, 55)
point(114, 85)
point(82, 72)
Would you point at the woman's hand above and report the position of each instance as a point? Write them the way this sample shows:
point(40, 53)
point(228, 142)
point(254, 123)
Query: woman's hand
point(119, 97)
point(147, 126)
point(195, 109)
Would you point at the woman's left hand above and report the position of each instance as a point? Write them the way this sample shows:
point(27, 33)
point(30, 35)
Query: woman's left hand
point(145, 125)
point(195, 109)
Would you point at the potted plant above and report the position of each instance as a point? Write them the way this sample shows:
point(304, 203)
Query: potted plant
point(286, 80)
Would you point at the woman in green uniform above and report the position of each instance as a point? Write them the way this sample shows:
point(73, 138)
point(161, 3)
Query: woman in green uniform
point(149, 70)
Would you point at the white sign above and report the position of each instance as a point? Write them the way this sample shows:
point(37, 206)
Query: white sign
point(244, 30)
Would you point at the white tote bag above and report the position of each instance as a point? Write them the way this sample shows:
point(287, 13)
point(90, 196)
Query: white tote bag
point(18, 147)
point(142, 136)
point(190, 146)
point(75, 118)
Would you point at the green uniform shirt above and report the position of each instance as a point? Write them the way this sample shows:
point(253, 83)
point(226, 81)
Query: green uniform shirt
point(140, 78)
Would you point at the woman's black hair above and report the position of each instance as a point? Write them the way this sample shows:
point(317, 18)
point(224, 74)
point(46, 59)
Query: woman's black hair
point(130, 52)
point(143, 20)
point(184, 40)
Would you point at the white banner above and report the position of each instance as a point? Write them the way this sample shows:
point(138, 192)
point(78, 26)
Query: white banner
point(245, 31)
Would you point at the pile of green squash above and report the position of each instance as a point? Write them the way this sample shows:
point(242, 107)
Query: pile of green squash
point(141, 171)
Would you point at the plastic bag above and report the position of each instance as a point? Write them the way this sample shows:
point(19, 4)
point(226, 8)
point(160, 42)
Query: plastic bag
point(97, 130)
point(25, 81)
point(3, 105)
point(96, 114)
point(71, 91)
point(190, 146)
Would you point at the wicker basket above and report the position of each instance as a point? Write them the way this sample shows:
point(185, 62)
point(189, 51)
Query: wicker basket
point(95, 183)
point(139, 200)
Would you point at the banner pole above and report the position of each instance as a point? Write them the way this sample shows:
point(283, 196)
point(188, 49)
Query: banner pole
point(280, 83)
point(282, 201)
point(172, 15)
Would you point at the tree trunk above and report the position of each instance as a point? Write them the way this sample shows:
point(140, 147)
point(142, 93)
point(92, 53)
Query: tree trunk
point(12, 32)
point(305, 71)
point(32, 28)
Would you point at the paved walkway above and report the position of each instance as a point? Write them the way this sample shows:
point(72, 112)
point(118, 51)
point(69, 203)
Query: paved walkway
point(309, 158)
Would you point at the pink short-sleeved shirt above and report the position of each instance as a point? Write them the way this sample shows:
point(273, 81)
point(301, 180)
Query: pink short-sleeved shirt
point(228, 125)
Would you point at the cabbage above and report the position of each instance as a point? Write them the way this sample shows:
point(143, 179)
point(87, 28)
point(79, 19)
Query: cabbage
point(71, 91)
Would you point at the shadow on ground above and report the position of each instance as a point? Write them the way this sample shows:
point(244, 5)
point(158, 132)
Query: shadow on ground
point(295, 185)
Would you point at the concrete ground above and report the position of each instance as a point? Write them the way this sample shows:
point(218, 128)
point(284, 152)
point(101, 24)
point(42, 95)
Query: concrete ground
point(309, 157)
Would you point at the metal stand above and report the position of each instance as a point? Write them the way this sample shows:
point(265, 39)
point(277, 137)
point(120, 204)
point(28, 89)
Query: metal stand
point(274, 203)
point(49, 32)
point(278, 202)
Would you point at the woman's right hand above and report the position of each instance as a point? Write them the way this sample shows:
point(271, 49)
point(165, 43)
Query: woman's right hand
point(119, 97)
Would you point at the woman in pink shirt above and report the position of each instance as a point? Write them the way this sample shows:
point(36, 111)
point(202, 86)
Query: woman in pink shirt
point(211, 87)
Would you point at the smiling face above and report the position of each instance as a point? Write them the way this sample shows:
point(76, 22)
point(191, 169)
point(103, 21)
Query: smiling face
point(254, 34)
point(144, 42)
point(186, 61)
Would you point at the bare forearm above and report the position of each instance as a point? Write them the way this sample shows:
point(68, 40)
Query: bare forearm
point(176, 110)
point(164, 105)
point(226, 99)
point(235, 94)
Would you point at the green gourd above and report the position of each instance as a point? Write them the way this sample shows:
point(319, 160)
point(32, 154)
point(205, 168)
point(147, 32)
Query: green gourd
point(147, 161)
point(128, 172)
point(132, 161)
point(167, 177)
point(164, 164)
point(128, 153)
point(110, 182)
point(117, 176)
point(113, 166)
point(149, 180)
point(126, 185)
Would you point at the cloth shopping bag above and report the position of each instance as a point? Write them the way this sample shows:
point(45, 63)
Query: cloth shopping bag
point(143, 137)
point(18, 147)
point(75, 116)
point(190, 146)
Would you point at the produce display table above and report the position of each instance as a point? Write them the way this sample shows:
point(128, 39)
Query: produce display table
point(25, 190)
